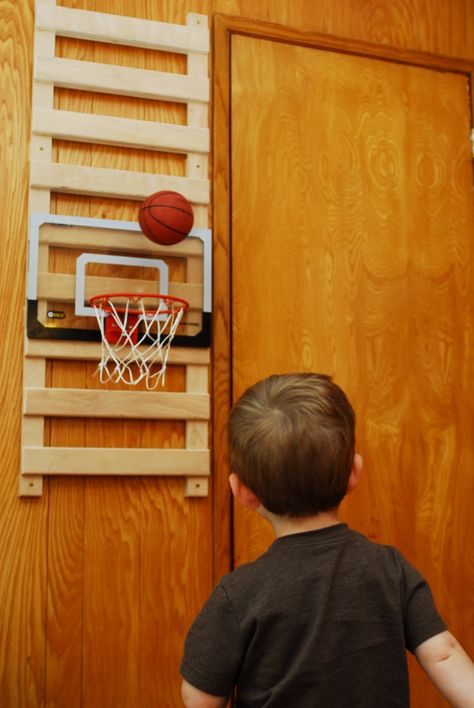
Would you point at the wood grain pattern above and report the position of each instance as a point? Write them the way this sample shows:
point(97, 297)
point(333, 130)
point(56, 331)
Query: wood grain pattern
point(73, 402)
point(113, 183)
point(442, 28)
point(113, 240)
point(113, 540)
point(176, 576)
point(115, 461)
point(130, 31)
point(112, 570)
point(65, 583)
point(124, 132)
point(59, 287)
point(120, 80)
point(91, 351)
point(23, 527)
point(114, 531)
point(86, 568)
point(366, 278)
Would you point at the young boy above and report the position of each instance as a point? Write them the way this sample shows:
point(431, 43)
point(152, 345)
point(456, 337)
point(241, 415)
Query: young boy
point(324, 617)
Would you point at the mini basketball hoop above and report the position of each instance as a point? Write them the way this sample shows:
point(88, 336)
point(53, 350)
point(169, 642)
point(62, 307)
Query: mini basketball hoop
point(136, 336)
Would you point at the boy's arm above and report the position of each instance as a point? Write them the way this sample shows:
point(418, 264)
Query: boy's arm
point(449, 668)
point(194, 698)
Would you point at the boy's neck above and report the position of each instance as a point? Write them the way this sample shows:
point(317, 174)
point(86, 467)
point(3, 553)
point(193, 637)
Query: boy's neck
point(286, 525)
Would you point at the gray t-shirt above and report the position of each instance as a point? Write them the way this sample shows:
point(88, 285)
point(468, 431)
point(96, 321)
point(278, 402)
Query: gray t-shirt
point(322, 618)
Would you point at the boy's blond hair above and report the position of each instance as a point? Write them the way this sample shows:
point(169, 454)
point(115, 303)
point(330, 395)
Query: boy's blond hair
point(291, 441)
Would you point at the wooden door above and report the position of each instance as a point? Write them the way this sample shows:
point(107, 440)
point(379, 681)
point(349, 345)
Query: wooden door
point(351, 253)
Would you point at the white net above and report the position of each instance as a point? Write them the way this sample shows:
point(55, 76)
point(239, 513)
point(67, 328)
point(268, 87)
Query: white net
point(136, 341)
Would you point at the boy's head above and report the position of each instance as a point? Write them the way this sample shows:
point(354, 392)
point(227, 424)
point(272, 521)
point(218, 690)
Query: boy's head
point(291, 442)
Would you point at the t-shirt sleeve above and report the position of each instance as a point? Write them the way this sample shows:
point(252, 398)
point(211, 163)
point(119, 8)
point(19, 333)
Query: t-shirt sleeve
point(422, 620)
point(213, 649)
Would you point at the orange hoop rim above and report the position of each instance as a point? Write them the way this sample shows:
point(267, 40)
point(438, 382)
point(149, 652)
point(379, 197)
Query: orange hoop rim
point(102, 301)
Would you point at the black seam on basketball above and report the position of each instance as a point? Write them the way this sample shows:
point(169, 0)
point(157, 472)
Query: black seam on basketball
point(167, 226)
point(167, 206)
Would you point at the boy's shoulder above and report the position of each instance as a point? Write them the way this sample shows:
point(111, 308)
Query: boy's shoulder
point(320, 552)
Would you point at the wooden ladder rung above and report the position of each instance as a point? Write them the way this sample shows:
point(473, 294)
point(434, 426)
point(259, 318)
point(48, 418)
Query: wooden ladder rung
point(114, 461)
point(118, 184)
point(121, 132)
point(121, 80)
point(100, 403)
point(130, 31)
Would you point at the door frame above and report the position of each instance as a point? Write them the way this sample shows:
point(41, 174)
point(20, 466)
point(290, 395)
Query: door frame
point(224, 28)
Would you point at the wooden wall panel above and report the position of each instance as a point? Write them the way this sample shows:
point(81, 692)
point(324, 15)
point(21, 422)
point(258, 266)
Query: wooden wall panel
point(115, 668)
point(176, 562)
point(23, 527)
point(52, 547)
point(65, 563)
point(112, 570)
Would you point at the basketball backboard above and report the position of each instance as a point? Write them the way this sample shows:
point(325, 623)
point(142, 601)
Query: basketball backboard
point(73, 258)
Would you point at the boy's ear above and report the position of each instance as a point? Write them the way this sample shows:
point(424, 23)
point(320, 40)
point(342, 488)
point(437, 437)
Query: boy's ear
point(242, 493)
point(356, 472)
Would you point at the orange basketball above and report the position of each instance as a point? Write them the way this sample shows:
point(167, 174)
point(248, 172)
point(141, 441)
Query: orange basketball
point(166, 217)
